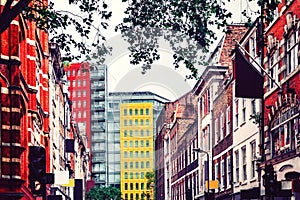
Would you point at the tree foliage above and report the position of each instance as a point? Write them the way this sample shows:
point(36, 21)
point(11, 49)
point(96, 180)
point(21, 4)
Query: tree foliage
point(185, 25)
point(104, 193)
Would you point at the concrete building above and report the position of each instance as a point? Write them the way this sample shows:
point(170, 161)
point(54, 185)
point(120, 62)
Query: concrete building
point(130, 141)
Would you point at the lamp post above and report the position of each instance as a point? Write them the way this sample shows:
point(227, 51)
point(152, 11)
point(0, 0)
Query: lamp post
point(198, 150)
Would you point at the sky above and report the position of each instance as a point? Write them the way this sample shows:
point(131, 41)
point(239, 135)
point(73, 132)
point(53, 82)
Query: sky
point(162, 79)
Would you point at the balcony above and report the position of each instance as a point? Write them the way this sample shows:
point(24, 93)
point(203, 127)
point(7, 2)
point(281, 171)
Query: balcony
point(100, 117)
point(98, 107)
point(98, 85)
point(98, 96)
point(98, 128)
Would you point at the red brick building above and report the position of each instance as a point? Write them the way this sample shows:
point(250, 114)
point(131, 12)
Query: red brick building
point(282, 106)
point(23, 102)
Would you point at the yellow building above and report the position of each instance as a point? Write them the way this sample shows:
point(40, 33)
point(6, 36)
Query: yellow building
point(136, 149)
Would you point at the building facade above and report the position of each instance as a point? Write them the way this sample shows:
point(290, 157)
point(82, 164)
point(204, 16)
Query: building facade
point(204, 91)
point(177, 136)
point(281, 117)
point(130, 143)
point(24, 103)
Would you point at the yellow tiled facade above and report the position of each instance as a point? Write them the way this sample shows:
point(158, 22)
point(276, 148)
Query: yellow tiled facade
point(136, 143)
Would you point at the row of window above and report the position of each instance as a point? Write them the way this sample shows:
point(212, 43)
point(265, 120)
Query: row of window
point(78, 93)
point(137, 165)
point(136, 111)
point(137, 196)
point(140, 154)
point(242, 170)
point(132, 186)
point(136, 122)
point(77, 104)
point(223, 122)
point(78, 114)
point(136, 144)
point(136, 175)
point(137, 133)
point(76, 72)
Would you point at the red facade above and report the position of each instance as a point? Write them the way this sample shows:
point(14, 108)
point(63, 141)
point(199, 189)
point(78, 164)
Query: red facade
point(24, 103)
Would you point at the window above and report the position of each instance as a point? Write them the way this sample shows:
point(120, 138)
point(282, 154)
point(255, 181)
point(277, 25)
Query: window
point(136, 154)
point(273, 67)
point(142, 154)
point(84, 93)
point(142, 143)
point(147, 111)
point(125, 154)
point(78, 83)
point(137, 186)
point(131, 133)
point(74, 83)
point(253, 106)
point(79, 114)
point(125, 112)
point(125, 122)
point(131, 175)
point(147, 143)
point(130, 111)
point(217, 172)
point(236, 113)
point(244, 162)
point(147, 164)
point(142, 165)
point(147, 154)
point(244, 110)
point(147, 122)
point(142, 175)
point(73, 72)
point(291, 58)
point(147, 133)
point(130, 122)
point(84, 103)
point(136, 122)
point(69, 72)
point(79, 104)
point(131, 154)
point(125, 165)
point(136, 111)
point(228, 121)
point(222, 174)
point(142, 186)
point(125, 143)
point(136, 143)
point(141, 111)
point(217, 131)
point(84, 82)
point(84, 114)
point(237, 163)
point(142, 122)
point(125, 133)
point(221, 126)
point(126, 186)
point(229, 172)
point(126, 175)
point(130, 142)
point(205, 103)
point(74, 104)
point(253, 157)
point(136, 175)
point(142, 133)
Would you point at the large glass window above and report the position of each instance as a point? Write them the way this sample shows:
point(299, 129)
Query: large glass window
point(237, 164)
point(244, 162)
point(292, 52)
point(253, 157)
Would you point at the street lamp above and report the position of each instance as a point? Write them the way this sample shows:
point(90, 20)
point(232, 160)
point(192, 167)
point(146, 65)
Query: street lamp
point(198, 150)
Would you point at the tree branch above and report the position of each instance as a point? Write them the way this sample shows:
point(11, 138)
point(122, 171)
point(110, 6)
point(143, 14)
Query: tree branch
point(10, 13)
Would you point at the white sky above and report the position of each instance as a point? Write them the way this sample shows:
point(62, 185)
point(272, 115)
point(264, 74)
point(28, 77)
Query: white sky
point(162, 79)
